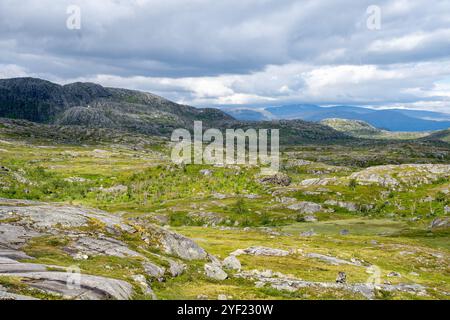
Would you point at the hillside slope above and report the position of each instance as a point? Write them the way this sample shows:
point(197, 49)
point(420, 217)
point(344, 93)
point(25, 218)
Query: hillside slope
point(443, 135)
point(88, 105)
point(361, 129)
point(92, 105)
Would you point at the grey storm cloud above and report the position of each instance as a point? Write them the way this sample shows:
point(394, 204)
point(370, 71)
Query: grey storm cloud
point(237, 51)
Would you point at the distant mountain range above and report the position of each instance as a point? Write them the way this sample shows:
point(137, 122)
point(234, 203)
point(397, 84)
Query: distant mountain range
point(87, 105)
point(388, 119)
point(75, 106)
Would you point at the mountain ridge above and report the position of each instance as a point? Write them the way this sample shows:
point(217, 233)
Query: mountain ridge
point(386, 119)
point(94, 106)
point(91, 105)
point(361, 129)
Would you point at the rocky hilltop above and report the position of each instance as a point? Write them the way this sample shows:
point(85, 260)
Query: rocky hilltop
point(90, 105)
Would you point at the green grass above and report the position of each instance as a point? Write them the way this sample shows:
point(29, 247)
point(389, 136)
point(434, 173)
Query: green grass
point(156, 189)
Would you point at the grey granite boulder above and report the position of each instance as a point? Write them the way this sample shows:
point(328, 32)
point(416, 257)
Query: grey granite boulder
point(176, 244)
point(154, 270)
point(280, 179)
point(232, 263)
point(176, 268)
point(214, 271)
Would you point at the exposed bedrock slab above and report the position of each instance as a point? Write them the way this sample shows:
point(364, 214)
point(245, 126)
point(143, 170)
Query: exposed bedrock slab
point(284, 283)
point(103, 246)
point(74, 286)
point(5, 295)
point(13, 236)
point(36, 219)
point(13, 254)
point(62, 283)
point(52, 216)
point(333, 260)
point(261, 251)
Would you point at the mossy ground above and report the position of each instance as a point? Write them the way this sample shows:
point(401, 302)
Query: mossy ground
point(180, 196)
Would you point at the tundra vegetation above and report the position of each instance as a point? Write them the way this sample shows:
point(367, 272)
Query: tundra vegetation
point(346, 217)
point(344, 209)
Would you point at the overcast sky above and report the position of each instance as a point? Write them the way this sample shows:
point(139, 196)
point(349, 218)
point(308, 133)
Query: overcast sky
point(239, 52)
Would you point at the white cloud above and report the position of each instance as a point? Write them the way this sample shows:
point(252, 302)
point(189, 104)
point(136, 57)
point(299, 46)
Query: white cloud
point(404, 43)
point(236, 52)
point(12, 71)
point(350, 84)
point(410, 42)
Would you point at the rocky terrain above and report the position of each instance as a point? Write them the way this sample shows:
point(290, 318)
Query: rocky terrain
point(66, 234)
point(113, 218)
point(361, 129)
point(91, 207)
point(66, 108)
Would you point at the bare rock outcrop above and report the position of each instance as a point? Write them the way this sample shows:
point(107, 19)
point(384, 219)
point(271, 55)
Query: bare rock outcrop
point(261, 251)
point(280, 179)
point(408, 174)
point(283, 282)
point(306, 207)
point(440, 223)
point(214, 271)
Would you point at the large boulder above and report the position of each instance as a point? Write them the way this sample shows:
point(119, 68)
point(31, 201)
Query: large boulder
point(35, 218)
point(176, 244)
point(214, 271)
point(232, 263)
point(176, 268)
point(280, 179)
point(85, 232)
point(154, 270)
